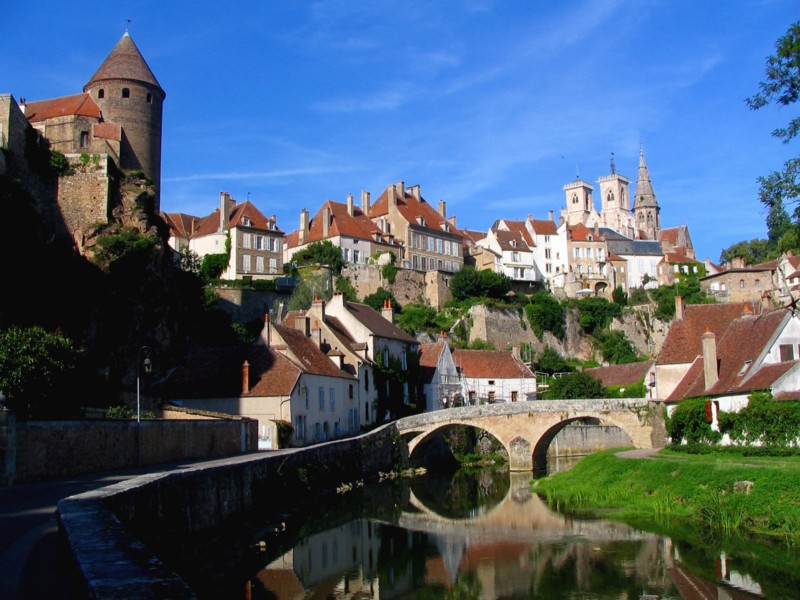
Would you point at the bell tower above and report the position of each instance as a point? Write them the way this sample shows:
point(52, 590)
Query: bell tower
point(616, 207)
point(128, 93)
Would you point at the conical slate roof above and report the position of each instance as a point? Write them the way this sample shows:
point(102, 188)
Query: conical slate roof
point(124, 62)
point(645, 196)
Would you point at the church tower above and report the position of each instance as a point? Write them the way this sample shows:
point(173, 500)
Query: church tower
point(580, 205)
point(645, 207)
point(615, 204)
point(128, 93)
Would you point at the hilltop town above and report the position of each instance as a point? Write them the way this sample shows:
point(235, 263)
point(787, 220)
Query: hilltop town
point(91, 165)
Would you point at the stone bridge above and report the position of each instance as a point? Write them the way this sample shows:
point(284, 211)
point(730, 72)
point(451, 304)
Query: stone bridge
point(526, 428)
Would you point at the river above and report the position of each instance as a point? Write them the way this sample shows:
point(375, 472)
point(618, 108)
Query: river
point(480, 534)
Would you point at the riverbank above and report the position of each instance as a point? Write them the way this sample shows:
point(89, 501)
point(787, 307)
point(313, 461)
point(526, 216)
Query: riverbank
point(726, 495)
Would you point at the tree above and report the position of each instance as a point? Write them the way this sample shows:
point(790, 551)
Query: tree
point(377, 300)
point(545, 313)
point(782, 87)
point(575, 386)
point(753, 252)
point(321, 253)
point(551, 362)
point(471, 283)
point(619, 296)
point(35, 370)
point(597, 313)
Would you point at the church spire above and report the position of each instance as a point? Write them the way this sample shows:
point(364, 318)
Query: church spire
point(645, 206)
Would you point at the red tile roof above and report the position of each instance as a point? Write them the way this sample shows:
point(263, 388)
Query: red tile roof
point(411, 209)
point(544, 227)
point(519, 228)
point(124, 62)
point(683, 343)
point(307, 355)
point(581, 233)
point(376, 323)
point(355, 226)
point(490, 364)
point(77, 105)
point(188, 226)
point(617, 375)
point(512, 241)
point(429, 354)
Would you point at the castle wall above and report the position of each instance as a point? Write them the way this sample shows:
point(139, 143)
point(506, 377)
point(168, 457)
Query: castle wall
point(83, 197)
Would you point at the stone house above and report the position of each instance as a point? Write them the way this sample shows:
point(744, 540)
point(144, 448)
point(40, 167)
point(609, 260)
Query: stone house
point(256, 242)
point(285, 377)
point(549, 248)
point(741, 283)
point(346, 227)
point(430, 239)
point(442, 383)
point(494, 376)
point(725, 352)
point(513, 244)
point(677, 265)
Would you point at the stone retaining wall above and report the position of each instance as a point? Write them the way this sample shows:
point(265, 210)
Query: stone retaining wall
point(103, 529)
point(41, 450)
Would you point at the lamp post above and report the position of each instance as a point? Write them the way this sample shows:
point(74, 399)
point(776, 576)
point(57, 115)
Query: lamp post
point(141, 361)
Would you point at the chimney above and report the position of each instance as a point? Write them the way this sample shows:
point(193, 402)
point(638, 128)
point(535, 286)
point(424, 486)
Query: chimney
point(414, 189)
point(365, 202)
point(226, 203)
point(747, 311)
point(326, 222)
point(452, 220)
point(596, 230)
point(303, 233)
point(710, 358)
point(550, 215)
point(388, 312)
point(401, 189)
point(318, 308)
point(391, 195)
point(679, 306)
point(350, 204)
point(267, 331)
point(303, 324)
point(443, 209)
point(245, 377)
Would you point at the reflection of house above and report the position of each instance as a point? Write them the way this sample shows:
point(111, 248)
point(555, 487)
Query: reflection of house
point(346, 227)
point(286, 377)
point(725, 352)
point(255, 242)
point(494, 376)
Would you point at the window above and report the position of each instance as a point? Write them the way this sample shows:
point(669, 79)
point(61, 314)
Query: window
point(101, 93)
point(439, 264)
point(491, 396)
point(247, 242)
point(304, 391)
point(758, 283)
point(787, 352)
point(515, 257)
point(741, 283)
point(366, 381)
point(424, 263)
point(346, 254)
point(547, 252)
point(259, 242)
point(259, 264)
point(350, 391)
point(356, 256)
point(414, 262)
point(431, 244)
point(514, 396)
point(439, 246)
point(336, 430)
point(447, 247)
point(366, 412)
point(84, 139)
point(273, 265)
point(548, 268)
point(271, 243)
point(322, 398)
point(332, 393)
point(403, 360)
point(126, 93)
point(245, 262)
point(246, 221)
point(149, 98)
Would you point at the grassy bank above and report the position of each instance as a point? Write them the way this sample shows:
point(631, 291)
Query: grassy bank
point(673, 489)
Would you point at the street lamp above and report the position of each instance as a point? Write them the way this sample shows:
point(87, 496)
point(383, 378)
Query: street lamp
point(142, 361)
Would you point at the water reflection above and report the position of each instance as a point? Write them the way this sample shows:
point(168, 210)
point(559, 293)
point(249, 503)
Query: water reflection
point(482, 535)
point(510, 545)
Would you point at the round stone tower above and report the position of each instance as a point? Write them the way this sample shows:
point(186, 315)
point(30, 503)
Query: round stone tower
point(128, 93)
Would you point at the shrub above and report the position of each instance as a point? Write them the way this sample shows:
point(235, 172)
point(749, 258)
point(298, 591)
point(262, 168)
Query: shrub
point(688, 423)
point(575, 386)
point(545, 313)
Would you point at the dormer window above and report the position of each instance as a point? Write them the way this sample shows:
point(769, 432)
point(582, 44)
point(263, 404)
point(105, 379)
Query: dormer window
point(744, 368)
point(246, 221)
point(421, 221)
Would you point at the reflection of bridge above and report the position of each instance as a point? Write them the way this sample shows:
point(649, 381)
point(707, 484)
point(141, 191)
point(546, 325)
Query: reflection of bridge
point(526, 428)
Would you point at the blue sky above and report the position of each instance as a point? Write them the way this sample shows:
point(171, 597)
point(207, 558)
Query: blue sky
point(489, 105)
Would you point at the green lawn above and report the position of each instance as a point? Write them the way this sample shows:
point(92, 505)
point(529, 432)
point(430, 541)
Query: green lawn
point(676, 489)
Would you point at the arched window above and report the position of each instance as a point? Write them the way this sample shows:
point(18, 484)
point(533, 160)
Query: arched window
point(101, 93)
point(574, 198)
point(741, 283)
point(758, 283)
point(149, 98)
point(610, 197)
point(126, 93)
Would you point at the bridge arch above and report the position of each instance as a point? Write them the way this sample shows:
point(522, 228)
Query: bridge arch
point(418, 442)
point(542, 447)
point(522, 426)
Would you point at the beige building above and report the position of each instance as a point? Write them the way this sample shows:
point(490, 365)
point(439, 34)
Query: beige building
point(255, 242)
point(431, 240)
